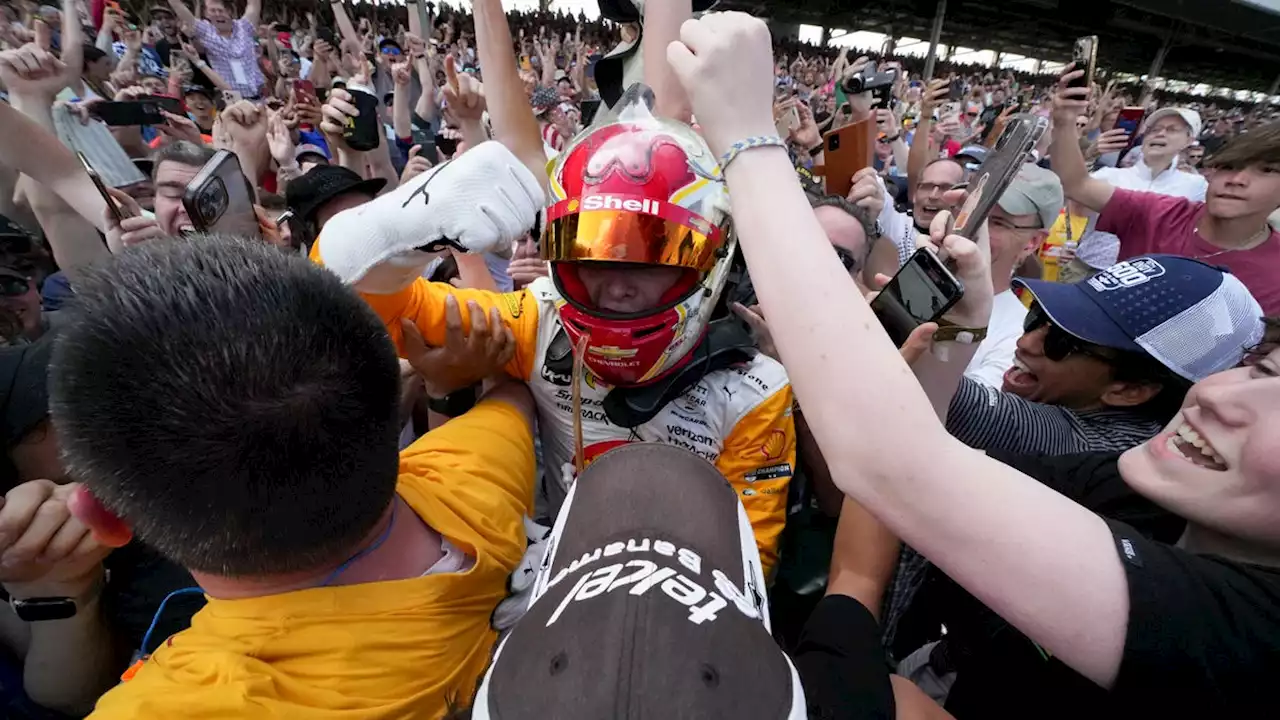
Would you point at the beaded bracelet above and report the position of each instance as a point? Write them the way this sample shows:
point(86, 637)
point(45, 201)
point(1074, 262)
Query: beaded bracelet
point(750, 143)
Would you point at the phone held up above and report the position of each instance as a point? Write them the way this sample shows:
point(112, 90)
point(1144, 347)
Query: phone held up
point(847, 150)
point(220, 199)
point(989, 181)
point(304, 93)
point(922, 291)
point(1130, 120)
point(117, 212)
point(143, 111)
point(1085, 57)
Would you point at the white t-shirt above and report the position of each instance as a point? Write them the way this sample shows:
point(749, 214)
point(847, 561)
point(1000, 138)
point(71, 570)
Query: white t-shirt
point(995, 353)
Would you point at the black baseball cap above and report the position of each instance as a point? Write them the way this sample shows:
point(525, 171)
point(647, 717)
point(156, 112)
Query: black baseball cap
point(305, 195)
point(24, 384)
point(200, 90)
point(650, 603)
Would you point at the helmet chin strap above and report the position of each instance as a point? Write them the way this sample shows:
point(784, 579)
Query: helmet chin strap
point(579, 367)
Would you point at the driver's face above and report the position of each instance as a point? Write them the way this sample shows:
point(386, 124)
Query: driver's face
point(627, 288)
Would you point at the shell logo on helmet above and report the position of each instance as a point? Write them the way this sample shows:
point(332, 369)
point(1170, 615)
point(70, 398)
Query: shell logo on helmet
point(644, 191)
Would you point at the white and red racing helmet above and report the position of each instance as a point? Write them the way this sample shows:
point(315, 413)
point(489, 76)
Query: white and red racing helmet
point(640, 191)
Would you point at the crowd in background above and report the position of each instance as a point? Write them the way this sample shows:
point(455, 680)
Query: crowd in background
point(1057, 501)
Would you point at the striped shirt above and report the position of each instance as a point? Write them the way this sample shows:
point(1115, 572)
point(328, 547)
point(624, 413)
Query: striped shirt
point(989, 419)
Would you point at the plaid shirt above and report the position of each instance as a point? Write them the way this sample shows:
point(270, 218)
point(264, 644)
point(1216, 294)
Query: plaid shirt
point(240, 49)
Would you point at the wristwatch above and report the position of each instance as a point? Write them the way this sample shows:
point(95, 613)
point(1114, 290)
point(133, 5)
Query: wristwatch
point(950, 332)
point(43, 609)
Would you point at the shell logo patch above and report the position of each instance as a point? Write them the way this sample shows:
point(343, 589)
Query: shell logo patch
point(774, 445)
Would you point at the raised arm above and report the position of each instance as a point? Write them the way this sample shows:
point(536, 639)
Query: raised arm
point(1067, 160)
point(252, 12)
point(29, 144)
point(921, 151)
point(513, 123)
point(980, 521)
point(662, 21)
point(345, 27)
point(185, 16)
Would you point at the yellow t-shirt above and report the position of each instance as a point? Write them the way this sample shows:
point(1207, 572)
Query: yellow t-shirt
point(1052, 250)
point(411, 648)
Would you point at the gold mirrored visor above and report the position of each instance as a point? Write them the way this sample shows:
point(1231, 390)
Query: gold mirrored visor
point(618, 228)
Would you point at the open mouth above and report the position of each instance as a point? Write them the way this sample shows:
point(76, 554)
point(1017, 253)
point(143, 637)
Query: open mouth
point(1019, 376)
point(1195, 449)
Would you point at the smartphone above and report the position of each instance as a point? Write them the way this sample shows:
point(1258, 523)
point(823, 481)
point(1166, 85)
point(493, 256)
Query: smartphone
point(220, 199)
point(788, 121)
point(1130, 119)
point(922, 291)
point(845, 152)
point(1085, 57)
point(589, 110)
point(989, 181)
point(957, 90)
point(117, 212)
point(144, 111)
point(304, 92)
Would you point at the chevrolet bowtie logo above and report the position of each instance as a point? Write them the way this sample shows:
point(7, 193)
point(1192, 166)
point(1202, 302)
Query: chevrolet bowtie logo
point(612, 353)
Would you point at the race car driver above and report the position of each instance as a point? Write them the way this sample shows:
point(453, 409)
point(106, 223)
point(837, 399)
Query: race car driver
point(638, 239)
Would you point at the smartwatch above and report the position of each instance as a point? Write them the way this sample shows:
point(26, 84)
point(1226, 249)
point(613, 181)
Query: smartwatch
point(44, 609)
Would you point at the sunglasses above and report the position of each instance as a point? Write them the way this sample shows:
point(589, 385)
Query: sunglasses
point(390, 50)
point(1058, 343)
point(14, 285)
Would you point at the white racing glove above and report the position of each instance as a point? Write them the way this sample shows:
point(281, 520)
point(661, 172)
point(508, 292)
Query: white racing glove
point(483, 201)
point(520, 584)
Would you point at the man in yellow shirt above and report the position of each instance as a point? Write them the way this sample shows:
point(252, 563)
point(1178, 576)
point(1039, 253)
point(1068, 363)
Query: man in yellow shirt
point(237, 407)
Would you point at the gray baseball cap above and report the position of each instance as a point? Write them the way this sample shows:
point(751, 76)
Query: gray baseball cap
point(1034, 190)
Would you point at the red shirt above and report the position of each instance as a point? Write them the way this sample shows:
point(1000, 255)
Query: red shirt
point(1149, 223)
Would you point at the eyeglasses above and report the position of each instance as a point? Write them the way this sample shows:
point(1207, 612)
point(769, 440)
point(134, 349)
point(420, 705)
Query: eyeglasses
point(14, 285)
point(1058, 343)
point(931, 188)
point(1006, 224)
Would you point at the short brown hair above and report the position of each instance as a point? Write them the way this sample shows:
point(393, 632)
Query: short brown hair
point(1259, 146)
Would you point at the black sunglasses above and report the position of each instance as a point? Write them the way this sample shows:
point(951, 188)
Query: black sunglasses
point(1058, 343)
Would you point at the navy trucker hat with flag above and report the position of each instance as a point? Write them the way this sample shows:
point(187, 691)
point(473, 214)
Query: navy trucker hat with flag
point(1195, 319)
point(650, 603)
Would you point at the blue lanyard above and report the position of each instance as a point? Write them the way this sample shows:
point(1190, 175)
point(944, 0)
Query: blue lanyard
point(363, 553)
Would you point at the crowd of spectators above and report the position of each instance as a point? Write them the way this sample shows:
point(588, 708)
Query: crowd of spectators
point(509, 295)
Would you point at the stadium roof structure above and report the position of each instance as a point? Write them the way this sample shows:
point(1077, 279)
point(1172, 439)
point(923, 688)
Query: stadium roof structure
point(1223, 43)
